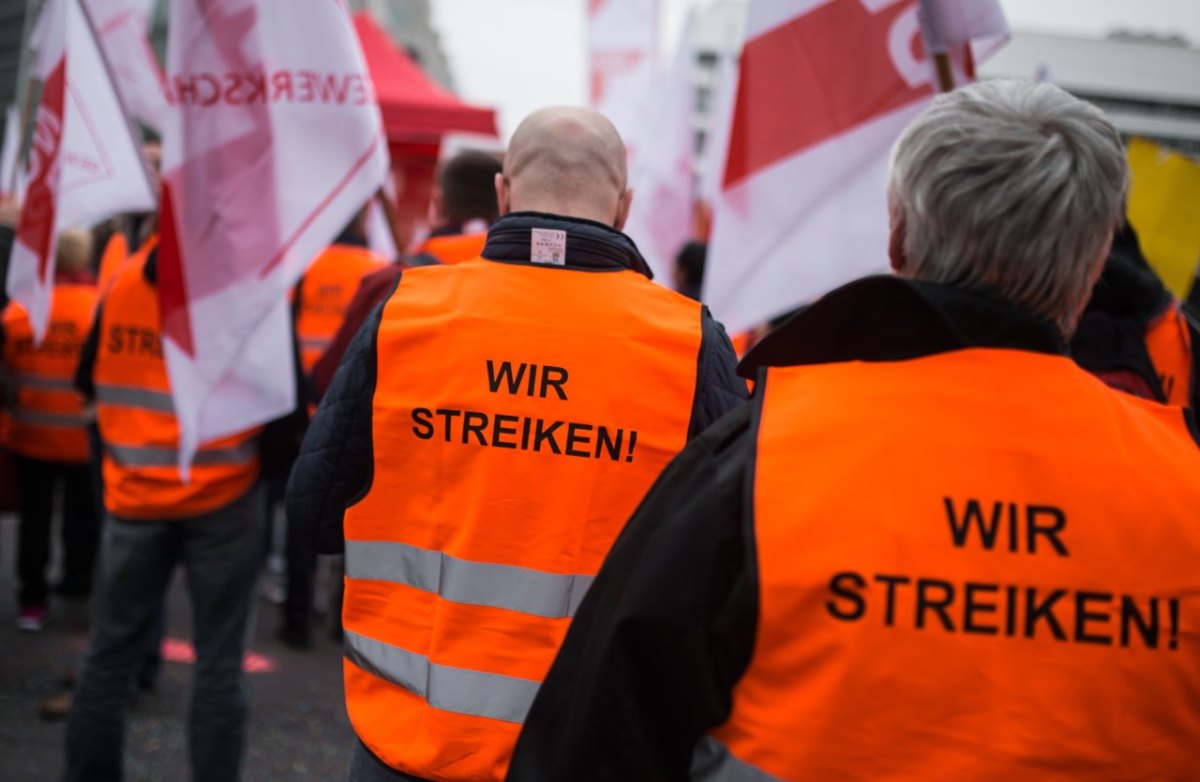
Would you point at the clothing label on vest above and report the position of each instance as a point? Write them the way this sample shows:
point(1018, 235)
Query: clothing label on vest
point(548, 246)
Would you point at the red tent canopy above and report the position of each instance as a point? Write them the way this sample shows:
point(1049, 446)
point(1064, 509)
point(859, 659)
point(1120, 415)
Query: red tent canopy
point(414, 108)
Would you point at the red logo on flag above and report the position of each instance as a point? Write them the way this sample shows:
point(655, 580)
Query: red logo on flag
point(610, 65)
point(36, 228)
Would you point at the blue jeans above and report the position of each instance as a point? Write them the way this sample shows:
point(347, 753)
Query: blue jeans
point(220, 553)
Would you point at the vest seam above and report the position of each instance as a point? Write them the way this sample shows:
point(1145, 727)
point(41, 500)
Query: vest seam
point(700, 389)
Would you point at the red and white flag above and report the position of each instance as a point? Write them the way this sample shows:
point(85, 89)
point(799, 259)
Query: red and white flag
point(123, 28)
point(826, 87)
point(660, 220)
point(622, 37)
point(274, 144)
point(85, 163)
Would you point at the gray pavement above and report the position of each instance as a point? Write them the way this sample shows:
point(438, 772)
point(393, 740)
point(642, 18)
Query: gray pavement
point(298, 727)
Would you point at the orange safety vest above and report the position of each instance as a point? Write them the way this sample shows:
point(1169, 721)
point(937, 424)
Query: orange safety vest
point(1169, 343)
point(456, 248)
point(137, 419)
point(116, 252)
point(45, 418)
point(520, 413)
point(325, 293)
point(987, 571)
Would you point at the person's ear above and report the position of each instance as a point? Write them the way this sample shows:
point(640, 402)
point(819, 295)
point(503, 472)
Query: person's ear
point(503, 193)
point(623, 204)
point(896, 243)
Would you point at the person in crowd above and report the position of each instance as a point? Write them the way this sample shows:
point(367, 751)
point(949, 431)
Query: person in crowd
point(324, 293)
point(43, 425)
point(933, 547)
point(463, 208)
point(689, 269)
point(1134, 334)
point(488, 432)
point(320, 302)
point(116, 239)
point(211, 524)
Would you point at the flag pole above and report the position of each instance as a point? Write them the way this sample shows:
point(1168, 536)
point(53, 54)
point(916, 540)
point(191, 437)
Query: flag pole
point(945, 74)
point(393, 220)
point(24, 96)
point(943, 70)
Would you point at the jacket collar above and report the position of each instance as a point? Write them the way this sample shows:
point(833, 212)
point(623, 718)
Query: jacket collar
point(892, 319)
point(591, 246)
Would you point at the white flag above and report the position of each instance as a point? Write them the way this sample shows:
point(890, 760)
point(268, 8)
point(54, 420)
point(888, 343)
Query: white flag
point(660, 220)
point(9, 182)
point(85, 163)
point(622, 48)
point(274, 143)
point(123, 28)
point(825, 89)
point(716, 145)
point(949, 24)
point(379, 233)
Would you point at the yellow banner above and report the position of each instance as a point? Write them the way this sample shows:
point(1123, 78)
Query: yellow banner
point(1164, 208)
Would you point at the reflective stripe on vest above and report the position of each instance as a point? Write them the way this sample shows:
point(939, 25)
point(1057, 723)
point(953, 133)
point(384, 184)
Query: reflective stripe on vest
point(42, 382)
point(713, 762)
point(320, 345)
point(54, 420)
point(975, 565)
point(546, 403)
point(140, 398)
point(148, 456)
point(529, 591)
point(457, 690)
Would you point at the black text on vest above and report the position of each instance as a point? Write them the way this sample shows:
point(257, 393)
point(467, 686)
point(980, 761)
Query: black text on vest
point(526, 378)
point(1034, 610)
point(548, 434)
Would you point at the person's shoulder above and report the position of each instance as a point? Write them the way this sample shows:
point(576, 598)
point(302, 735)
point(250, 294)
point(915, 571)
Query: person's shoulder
point(385, 275)
point(731, 436)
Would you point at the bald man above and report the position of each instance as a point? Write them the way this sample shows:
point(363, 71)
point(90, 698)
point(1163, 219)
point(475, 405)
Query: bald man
point(482, 444)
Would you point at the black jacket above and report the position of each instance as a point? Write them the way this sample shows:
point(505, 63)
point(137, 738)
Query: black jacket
point(1110, 341)
point(667, 629)
point(336, 462)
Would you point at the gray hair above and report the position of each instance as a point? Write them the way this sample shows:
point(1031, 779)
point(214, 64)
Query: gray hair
point(1011, 187)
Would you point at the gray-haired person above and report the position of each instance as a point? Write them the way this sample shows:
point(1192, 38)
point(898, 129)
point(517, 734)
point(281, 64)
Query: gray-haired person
point(933, 547)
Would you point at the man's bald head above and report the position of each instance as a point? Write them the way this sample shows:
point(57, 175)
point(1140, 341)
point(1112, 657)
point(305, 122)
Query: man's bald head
point(567, 161)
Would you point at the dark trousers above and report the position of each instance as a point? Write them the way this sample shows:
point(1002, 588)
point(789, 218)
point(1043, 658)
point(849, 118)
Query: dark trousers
point(301, 573)
point(80, 528)
point(220, 554)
